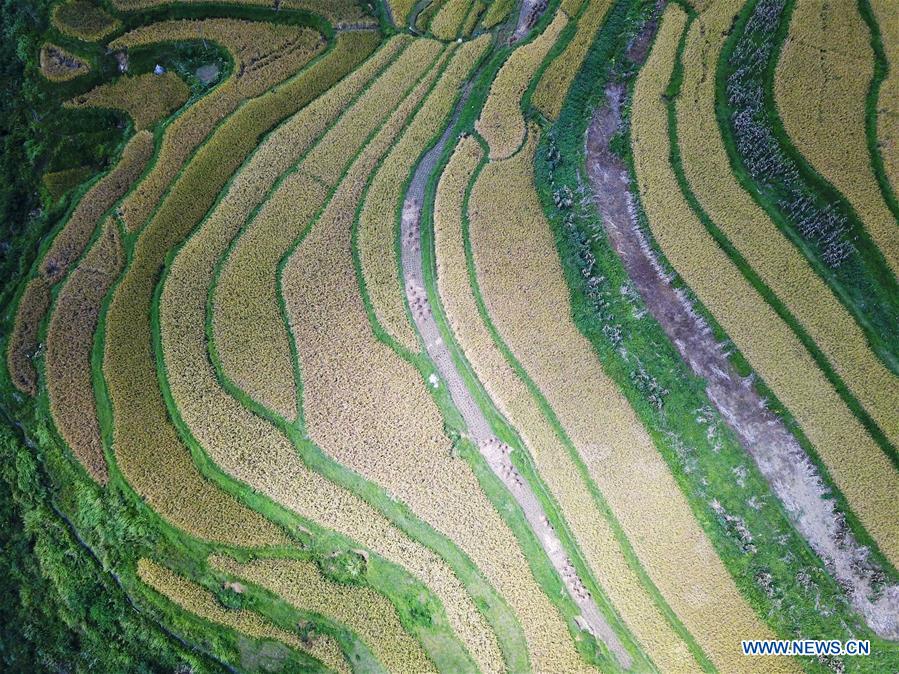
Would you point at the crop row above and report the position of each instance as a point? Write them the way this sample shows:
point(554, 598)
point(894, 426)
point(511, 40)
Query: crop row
point(864, 473)
point(367, 613)
point(821, 89)
point(264, 54)
point(501, 122)
point(497, 11)
point(558, 76)
point(83, 20)
point(201, 602)
point(253, 450)
point(399, 11)
point(70, 339)
point(378, 227)
point(448, 21)
point(67, 246)
point(145, 98)
point(247, 327)
point(515, 257)
point(59, 65)
point(146, 444)
point(591, 530)
point(330, 158)
point(380, 421)
point(886, 13)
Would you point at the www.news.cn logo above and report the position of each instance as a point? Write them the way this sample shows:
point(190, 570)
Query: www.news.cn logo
point(814, 647)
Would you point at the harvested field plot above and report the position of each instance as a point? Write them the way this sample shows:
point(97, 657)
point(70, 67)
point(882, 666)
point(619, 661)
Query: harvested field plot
point(458, 336)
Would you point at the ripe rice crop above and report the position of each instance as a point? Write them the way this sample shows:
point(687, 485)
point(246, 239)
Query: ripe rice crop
point(471, 20)
point(83, 20)
point(59, 65)
point(571, 7)
point(330, 158)
point(525, 292)
point(558, 76)
point(496, 13)
point(886, 12)
point(70, 339)
point(199, 601)
point(378, 220)
point(864, 473)
point(23, 345)
point(147, 446)
point(821, 87)
point(145, 98)
point(592, 531)
point(501, 122)
point(67, 246)
point(248, 330)
point(399, 11)
point(379, 421)
point(253, 451)
point(366, 612)
point(69, 243)
point(448, 20)
point(264, 54)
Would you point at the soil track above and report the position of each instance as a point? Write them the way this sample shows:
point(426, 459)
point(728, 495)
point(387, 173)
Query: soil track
point(496, 453)
point(793, 477)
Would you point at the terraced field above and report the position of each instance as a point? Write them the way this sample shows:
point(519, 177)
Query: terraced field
point(451, 336)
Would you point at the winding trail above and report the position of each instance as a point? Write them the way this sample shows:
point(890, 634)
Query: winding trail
point(495, 452)
point(793, 477)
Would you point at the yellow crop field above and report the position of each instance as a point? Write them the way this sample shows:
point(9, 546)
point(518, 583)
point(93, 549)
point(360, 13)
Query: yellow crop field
point(820, 89)
point(23, 344)
point(448, 20)
point(264, 54)
point(331, 157)
point(248, 330)
point(59, 65)
point(399, 11)
point(558, 76)
point(67, 246)
point(378, 221)
point(145, 98)
point(256, 453)
point(887, 14)
point(501, 122)
point(83, 20)
point(523, 287)
point(858, 466)
point(70, 339)
point(197, 600)
point(379, 420)
point(367, 613)
point(497, 11)
point(591, 530)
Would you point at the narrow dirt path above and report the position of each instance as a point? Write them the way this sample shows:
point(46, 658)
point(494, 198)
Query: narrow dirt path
point(495, 452)
point(793, 477)
point(530, 13)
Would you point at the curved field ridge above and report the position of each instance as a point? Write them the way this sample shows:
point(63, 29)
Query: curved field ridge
point(264, 55)
point(681, 235)
point(248, 330)
point(256, 452)
point(146, 444)
point(380, 421)
point(70, 339)
point(820, 88)
point(67, 246)
point(360, 609)
point(558, 76)
point(501, 122)
point(197, 600)
point(515, 257)
point(145, 98)
point(860, 469)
